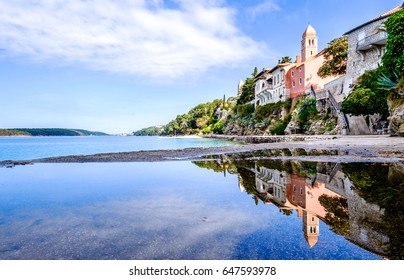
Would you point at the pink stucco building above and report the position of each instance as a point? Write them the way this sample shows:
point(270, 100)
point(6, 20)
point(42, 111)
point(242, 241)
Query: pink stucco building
point(303, 74)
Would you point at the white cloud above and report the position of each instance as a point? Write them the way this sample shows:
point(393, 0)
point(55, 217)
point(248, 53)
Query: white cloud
point(148, 38)
point(268, 6)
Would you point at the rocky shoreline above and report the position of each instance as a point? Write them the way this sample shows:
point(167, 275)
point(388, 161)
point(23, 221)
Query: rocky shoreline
point(311, 148)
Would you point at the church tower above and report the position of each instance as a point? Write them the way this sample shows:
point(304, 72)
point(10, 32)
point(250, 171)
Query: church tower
point(309, 43)
point(311, 228)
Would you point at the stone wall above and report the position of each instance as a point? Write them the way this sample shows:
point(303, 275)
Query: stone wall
point(361, 60)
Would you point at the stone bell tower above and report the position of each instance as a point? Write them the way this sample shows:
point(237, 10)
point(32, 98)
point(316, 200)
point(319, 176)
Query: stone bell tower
point(309, 43)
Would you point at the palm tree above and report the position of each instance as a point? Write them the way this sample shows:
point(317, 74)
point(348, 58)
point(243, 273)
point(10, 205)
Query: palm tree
point(395, 83)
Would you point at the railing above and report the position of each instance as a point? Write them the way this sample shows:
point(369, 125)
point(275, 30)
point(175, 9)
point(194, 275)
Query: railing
point(322, 94)
point(378, 38)
point(334, 103)
point(265, 89)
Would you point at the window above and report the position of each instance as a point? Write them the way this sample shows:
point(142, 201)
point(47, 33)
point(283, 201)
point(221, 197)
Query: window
point(300, 81)
point(293, 84)
point(293, 73)
point(300, 69)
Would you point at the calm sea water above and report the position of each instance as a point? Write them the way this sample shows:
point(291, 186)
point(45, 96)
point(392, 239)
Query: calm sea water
point(216, 209)
point(198, 210)
point(25, 148)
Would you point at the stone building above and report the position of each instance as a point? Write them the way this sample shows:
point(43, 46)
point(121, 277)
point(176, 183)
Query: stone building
point(366, 46)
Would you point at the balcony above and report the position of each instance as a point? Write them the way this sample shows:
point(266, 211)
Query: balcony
point(265, 89)
point(377, 39)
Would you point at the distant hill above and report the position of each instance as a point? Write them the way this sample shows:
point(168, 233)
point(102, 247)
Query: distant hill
point(149, 131)
point(49, 132)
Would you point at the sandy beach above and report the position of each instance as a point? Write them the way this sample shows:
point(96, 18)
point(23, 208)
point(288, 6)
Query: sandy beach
point(377, 148)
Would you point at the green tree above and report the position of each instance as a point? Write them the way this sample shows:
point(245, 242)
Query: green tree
point(393, 59)
point(247, 92)
point(285, 59)
point(335, 56)
point(367, 97)
point(364, 101)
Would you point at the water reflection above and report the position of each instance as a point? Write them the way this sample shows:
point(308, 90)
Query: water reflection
point(362, 202)
point(178, 210)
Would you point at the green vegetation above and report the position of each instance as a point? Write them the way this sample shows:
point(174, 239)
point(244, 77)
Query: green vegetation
point(374, 89)
point(367, 97)
point(204, 118)
point(382, 185)
point(307, 111)
point(247, 92)
point(48, 132)
point(393, 59)
point(337, 216)
point(149, 131)
point(335, 56)
point(13, 132)
point(285, 59)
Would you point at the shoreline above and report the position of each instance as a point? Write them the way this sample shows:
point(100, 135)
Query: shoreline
point(372, 148)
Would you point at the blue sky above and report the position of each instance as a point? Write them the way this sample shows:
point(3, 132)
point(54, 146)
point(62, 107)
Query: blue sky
point(118, 66)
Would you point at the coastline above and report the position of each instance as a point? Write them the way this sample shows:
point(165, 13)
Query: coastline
point(372, 148)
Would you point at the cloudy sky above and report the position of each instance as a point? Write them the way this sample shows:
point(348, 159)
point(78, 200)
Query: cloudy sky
point(118, 66)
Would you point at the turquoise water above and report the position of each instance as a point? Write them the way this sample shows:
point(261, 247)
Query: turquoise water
point(26, 148)
point(164, 210)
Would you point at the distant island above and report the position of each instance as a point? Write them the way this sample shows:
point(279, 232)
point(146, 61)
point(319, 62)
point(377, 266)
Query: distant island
point(49, 132)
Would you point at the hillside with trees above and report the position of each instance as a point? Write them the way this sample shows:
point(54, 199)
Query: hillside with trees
point(204, 118)
point(49, 132)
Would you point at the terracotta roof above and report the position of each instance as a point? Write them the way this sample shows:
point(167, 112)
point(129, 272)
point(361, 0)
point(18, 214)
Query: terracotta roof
point(382, 16)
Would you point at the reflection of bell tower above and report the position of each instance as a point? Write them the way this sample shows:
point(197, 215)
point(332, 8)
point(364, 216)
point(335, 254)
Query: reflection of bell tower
point(311, 228)
point(309, 43)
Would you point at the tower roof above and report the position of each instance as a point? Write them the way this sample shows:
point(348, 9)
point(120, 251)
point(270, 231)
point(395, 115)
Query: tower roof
point(309, 32)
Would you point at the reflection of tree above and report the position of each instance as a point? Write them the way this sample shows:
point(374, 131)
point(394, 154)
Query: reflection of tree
point(218, 164)
point(286, 212)
point(210, 165)
point(276, 164)
point(378, 184)
point(383, 185)
point(337, 216)
point(304, 168)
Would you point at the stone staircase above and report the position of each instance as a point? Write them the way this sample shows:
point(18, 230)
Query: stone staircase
point(358, 126)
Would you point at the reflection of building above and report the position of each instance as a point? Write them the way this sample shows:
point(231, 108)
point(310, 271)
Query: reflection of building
point(273, 182)
point(311, 228)
point(302, 193)
point(294, 192)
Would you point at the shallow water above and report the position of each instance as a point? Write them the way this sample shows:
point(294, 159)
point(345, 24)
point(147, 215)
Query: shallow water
point(184, 210)
point(27, 148)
